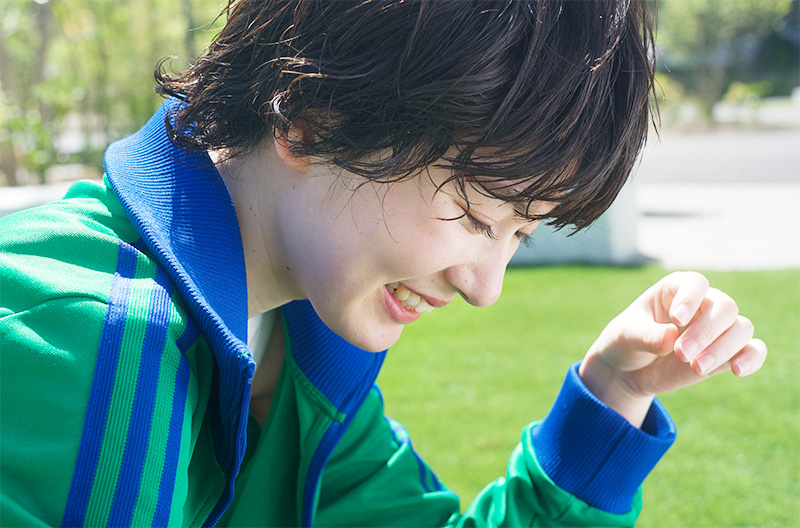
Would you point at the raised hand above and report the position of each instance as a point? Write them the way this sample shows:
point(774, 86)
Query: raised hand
point(678, 332)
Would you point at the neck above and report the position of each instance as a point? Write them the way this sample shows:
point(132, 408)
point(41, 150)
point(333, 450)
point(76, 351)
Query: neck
point(256, 180)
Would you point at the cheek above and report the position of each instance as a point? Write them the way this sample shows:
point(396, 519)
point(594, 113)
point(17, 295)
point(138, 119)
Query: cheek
point(316, 254)
point(433, 247)
point(343, 259)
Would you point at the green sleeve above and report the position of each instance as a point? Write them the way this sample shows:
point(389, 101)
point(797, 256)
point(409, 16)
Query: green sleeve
point(526, 496)
point(375, 478)
point(45, 377)
point(47, 367)
point(56, 266)
point(48, 363)
point(59, 265)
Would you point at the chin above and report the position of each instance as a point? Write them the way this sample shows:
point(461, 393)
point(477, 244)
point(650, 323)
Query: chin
point(371, 341)
point(364, 328)
point(371, 337)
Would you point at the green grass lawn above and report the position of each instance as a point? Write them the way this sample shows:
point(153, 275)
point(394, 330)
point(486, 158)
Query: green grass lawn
point(464, 381)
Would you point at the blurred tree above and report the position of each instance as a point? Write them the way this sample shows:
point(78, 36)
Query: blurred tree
point(76, 75)
point(25, 35)
point(708, 37)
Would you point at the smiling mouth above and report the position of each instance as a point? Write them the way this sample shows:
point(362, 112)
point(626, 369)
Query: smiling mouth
point(409, 300)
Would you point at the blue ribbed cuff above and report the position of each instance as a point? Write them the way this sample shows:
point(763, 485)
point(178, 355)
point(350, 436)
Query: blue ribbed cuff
point(595, 454)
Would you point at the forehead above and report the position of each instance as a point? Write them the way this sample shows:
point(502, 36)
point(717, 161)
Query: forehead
point(488, 195)
point(529, 196)
point(514, 194)
point(534, 195)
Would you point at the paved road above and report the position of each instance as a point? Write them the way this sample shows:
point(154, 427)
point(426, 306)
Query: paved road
point(15, 198)
point(732, 226)
point(765, 156)
point(729, 200)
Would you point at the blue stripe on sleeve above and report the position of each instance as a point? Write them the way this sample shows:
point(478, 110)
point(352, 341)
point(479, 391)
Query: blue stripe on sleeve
point(102, 386)
point(136, 445)
point(173, 447)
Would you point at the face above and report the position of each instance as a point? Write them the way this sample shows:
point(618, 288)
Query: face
point(374, 259)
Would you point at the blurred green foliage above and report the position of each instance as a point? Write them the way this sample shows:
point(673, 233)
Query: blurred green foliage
point(703, 41)
point(740, 92)
point(77, 74)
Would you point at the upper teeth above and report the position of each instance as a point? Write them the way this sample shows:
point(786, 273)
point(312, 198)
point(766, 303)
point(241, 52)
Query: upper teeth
point(409, 300)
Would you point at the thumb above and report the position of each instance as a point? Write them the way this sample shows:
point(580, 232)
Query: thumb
point(656, 338)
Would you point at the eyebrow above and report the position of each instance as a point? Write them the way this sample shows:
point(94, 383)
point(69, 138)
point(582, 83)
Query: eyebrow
point(524, 210)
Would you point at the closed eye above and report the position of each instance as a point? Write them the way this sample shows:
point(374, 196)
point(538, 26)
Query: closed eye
point(480, 227)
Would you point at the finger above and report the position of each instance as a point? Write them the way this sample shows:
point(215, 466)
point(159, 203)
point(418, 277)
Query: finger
point(750, 359)
point(690, 289)
point(649, 336)
point(660, 339)
point(725, 347)
point(717, 313)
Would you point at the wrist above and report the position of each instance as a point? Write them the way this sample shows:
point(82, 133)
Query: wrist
point(608, 385)
point(592, 452)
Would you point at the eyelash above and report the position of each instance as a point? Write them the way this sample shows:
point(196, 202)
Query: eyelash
point(526, 240)
point(480, 227)
point(486, 230)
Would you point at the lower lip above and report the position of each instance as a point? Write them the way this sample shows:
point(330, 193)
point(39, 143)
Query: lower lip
point(398, 312)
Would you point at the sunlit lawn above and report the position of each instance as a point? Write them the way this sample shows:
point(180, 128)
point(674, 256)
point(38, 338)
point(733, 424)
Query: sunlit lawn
point(464, 381)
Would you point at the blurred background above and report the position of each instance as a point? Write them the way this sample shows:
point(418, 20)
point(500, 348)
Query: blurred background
point(717, 189)
point(78, 74)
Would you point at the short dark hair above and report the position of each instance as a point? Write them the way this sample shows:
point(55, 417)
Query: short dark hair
point(548, 96)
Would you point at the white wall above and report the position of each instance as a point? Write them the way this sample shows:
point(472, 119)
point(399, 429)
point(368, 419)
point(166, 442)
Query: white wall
point(610, 240)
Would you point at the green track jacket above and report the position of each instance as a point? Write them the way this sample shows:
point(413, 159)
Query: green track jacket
point(125, 382)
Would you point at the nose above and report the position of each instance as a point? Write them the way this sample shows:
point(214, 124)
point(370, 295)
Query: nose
point(480, 281)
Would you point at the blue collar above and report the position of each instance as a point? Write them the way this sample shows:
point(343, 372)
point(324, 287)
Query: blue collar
point(180, 207)
point(178, 203)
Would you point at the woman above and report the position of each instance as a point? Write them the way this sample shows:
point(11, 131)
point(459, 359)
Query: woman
point(338, 169)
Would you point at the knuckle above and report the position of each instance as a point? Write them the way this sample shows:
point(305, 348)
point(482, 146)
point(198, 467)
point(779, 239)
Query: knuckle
point(730, 306)
point(669, 281)
point(705, 335)
point(674, 279)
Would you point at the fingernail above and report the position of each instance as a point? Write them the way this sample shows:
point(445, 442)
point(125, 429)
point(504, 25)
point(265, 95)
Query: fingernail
point(689, 349)
point(681, 315)
point(705, 363)
point(744, 366)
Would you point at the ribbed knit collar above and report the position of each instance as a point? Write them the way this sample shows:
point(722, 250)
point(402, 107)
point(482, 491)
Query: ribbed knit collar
point(181, 208)
point(178, 203)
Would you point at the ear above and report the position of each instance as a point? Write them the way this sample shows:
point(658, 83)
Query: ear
point(297, 131)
